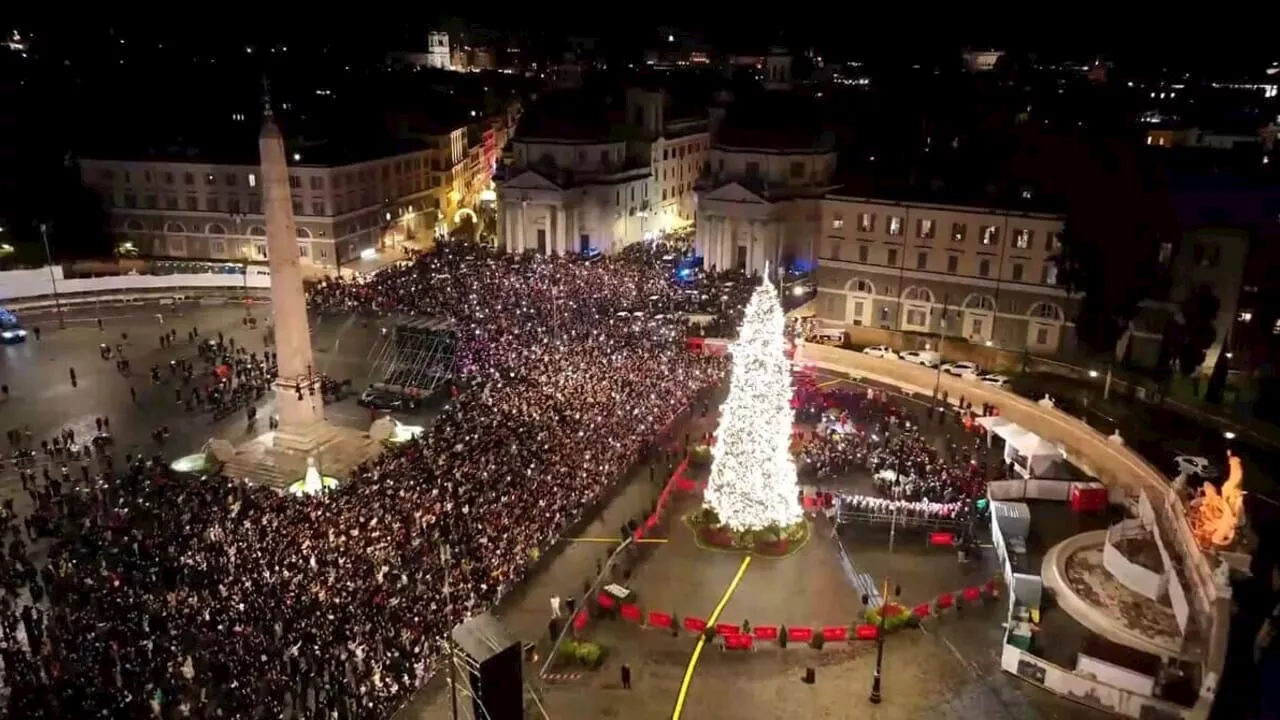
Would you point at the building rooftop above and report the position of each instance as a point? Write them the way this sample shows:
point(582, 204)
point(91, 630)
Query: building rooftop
point(935, 191)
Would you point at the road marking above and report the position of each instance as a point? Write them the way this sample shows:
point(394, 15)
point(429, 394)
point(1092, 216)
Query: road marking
point(702, 639)
point(616, 540)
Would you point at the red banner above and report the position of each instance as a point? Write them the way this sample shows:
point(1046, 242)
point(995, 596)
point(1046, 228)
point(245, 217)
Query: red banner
point(921, 611)
point(945, 600)
point(693, 624)
point(606, 600)
point(579, 620)
point(837, 633)
point(738, 642)
point(800, 634)
point(972, 595)
point(767, 633)
point(659, 619)
point(867, 632)
point(942, 538)
point(630, 612)
point(727, 629)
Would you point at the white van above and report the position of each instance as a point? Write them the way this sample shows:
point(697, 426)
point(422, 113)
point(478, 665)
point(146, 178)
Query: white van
point(927, 358)
point(827, 336)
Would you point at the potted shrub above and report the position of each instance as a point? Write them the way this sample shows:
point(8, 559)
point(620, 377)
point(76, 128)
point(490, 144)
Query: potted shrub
point(700, 455)
point(782, 637)
point(818, 641)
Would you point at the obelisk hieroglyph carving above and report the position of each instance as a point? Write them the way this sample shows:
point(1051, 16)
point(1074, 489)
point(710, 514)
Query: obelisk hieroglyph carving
point(299, 404)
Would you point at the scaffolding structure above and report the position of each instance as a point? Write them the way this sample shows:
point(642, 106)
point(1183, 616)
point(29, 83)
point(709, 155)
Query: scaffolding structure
point(416, 356)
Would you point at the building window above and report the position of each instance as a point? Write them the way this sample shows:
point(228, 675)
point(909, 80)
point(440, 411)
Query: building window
point(209, 179)
point(837, 221)
point(193, 203)
point(862, 253)
point(168, 178)
point(1053, 241)
point(130, 200)
point(922, 261)
point(317, 182)
point(924, 229)
point(892, 260)
point(958, 231)
point(295, 182)
point(188, 179)
point(989, 234)
point(984, 268)
point(917, 317)
point(211, 204)
point(866, 222)
point(1042, 335)
point(953, 263)
point(1049, 274)
point(255, 205)
point(304, 249)
point(753, 169)
point(253, 180)
point(317, 207)
point(297, 206)
point(1021, 238)
point(1017, 272)
point(149, 202)
point(797, 169)
point(1205, 256)
point(1245, 316)
point(1166, 253)
point(217, 247)
point(895, 225)
point(231, 179)
point(170, 202)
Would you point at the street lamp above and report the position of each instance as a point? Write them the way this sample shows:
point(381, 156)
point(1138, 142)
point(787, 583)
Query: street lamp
point(53, 276)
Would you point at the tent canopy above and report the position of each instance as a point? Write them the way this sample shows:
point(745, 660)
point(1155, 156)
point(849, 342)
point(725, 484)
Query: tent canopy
point(1039, 453)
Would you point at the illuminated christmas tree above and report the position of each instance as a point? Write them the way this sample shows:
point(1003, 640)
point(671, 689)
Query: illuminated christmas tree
point(753, 476)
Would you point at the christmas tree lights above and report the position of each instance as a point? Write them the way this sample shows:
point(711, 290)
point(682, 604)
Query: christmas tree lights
point(753, 476)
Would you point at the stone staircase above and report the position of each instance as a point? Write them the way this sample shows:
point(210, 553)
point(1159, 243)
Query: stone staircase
point(280, 459)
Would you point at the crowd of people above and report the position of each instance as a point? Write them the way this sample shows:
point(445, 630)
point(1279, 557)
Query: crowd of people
point(183, 597)
point(870, 433)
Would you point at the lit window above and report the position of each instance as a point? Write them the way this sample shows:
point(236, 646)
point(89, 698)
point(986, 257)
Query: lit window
point(253, 180)
point(866, 222)
point(1245, 316)
point(989, 234)
point(895, 225)
point(837, 221)
point(924, 229)
point(1021, 238)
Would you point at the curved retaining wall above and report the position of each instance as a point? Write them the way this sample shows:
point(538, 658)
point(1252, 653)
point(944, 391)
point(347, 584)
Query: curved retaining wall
point(1111, 463)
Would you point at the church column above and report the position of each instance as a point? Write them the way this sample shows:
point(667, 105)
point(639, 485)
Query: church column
point(561, 230)
point(729, 248)
point(520, 221)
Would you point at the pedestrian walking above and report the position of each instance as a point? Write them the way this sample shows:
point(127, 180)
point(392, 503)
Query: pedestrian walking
point(555, 606)
point(626, 676)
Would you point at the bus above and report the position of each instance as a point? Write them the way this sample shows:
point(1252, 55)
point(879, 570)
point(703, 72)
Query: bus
point(11, 332)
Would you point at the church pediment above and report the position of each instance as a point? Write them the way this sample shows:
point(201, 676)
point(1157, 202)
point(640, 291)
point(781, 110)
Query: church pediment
point(529, 180)
point(735, 193)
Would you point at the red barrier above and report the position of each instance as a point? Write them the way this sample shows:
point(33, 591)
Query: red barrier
point(766, 633)
point(800, 634)
point(693, 624)
point(867, 632)
point(942, 538)
point(630, 612)
point(810, 502)
point(652, 522)
point(659, 619)
point(695, 344)
point(921, 611)
point(738, 642)
point(639, 533)
point(945, 600)
point(972, 595)
point(838, 633)
point(605, 600)
point(684, 485)
point(990, 587)
point(579, 620)
point(727, 629)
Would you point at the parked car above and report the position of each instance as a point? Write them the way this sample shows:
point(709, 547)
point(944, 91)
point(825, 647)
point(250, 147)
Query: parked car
point(964, 368)
point(1195, 465)
point(995, 380)
point(927, 358)
point(382, 400)
point(880, 351)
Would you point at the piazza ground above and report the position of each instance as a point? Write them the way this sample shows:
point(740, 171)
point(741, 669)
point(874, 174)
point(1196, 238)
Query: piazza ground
point(950, 669)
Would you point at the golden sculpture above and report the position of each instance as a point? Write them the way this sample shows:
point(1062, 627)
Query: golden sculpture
point(1215, 517)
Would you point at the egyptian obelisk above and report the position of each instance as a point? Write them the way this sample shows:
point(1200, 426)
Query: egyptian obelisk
point(299, 404)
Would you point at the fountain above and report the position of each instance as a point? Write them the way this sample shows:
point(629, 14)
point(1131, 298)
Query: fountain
point(313, 482)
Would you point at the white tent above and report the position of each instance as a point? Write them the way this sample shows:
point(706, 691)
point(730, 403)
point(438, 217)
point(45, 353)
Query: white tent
point(1029, 453)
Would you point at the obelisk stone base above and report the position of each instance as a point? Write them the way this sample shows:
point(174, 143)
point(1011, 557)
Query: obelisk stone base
point(279, 459)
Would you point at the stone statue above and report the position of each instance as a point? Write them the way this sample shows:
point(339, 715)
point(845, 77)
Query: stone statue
point(1047, 402)
point(1180, 484)
point(1222, 575)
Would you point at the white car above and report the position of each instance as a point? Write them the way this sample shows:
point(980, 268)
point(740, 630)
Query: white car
point(880, 351)
point(963, 369)
point(995, 380)
point(926, 358)
point(1195, 465)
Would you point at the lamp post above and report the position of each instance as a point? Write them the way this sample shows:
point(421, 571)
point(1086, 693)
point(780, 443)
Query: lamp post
point(53, 276)
point(244, 251)
point(875, 696)
point(942, 326)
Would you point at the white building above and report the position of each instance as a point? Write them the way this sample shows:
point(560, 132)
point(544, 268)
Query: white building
point(572, 187)
point(438, 56)
point(761, 200)
point(979, 273)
